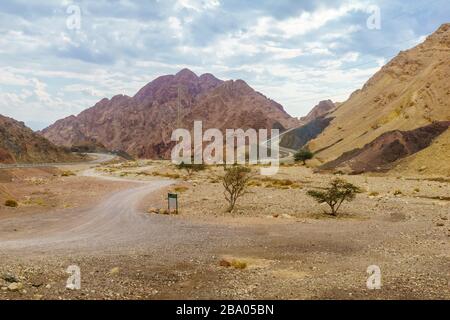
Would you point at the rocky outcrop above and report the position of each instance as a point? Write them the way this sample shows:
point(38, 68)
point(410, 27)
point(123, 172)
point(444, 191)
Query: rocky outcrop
point(19, 144)
point(323, 108)
point(382, 153)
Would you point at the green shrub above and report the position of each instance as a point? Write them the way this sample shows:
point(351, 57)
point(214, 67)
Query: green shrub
point(338, 191)
point(303, 155)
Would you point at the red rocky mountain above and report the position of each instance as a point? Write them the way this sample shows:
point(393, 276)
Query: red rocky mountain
point(19, 144)
point(142, 125)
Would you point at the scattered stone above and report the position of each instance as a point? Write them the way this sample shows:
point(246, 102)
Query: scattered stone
point(9, 278)
point(16, 286)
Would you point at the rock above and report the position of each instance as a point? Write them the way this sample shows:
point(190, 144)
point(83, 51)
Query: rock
point(16, 286)
point(38, 296)
point(440, 224)
point(286, 216)
point(37, 284)
point(9, 278)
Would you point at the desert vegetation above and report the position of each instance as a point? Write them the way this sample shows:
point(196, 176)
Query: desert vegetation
point(235, 182)
point(11, 203)
point(303, 155)
point(335, 194)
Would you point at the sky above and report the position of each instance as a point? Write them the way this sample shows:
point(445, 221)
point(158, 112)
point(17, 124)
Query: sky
point(58, 58)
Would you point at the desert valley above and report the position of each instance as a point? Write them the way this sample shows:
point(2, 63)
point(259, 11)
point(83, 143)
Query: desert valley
point(91, 191)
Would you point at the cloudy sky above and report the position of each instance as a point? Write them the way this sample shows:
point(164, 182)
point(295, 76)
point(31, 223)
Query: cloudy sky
point(60, 57)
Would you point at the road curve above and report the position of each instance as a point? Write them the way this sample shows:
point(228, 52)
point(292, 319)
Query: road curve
point(115, 221)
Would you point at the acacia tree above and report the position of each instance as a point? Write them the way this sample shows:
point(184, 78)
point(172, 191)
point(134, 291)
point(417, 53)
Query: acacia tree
point(303, 155)
point(235, 182)
point(337, 192)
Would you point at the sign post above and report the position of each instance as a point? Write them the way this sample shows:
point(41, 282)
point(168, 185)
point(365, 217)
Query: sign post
point(172, 202)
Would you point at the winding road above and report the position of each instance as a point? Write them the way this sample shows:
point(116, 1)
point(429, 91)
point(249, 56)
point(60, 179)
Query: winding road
point(112, 223)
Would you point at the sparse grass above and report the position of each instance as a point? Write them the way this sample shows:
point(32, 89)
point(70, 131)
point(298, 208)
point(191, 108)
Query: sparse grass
point(11, 203)
point(237, 264)
point(180, 189)
point(36, 181)
point(167, 175)
point(34, 201)
point(142, 173)
point(67, 173)
point(283, 184)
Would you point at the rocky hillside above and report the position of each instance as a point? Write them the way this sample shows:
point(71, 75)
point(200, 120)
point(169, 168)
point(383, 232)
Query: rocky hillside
point(19, 144)
point(323, 108)
point(142, 125)
point(410, 92)
point(383, 153)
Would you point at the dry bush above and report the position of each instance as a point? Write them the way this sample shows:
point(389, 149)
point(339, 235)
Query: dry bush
point(180, 189)
point(67, 173)
point(280, 183)
point(235, 181)
point(237, 264)
point(166, 175)
point(11, 203)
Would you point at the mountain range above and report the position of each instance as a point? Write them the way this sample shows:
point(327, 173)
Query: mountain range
point(397, 121)
point(142, 125)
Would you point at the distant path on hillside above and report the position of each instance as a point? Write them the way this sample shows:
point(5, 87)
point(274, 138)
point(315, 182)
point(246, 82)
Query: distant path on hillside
point(100, 158)
point(285, 153)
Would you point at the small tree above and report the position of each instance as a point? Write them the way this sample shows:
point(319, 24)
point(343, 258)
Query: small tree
point(190, 168)
point(303, 155)
point(338, 191)
point(235, 182)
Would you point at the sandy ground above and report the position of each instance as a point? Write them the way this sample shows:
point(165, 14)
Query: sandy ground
point(292, 250)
